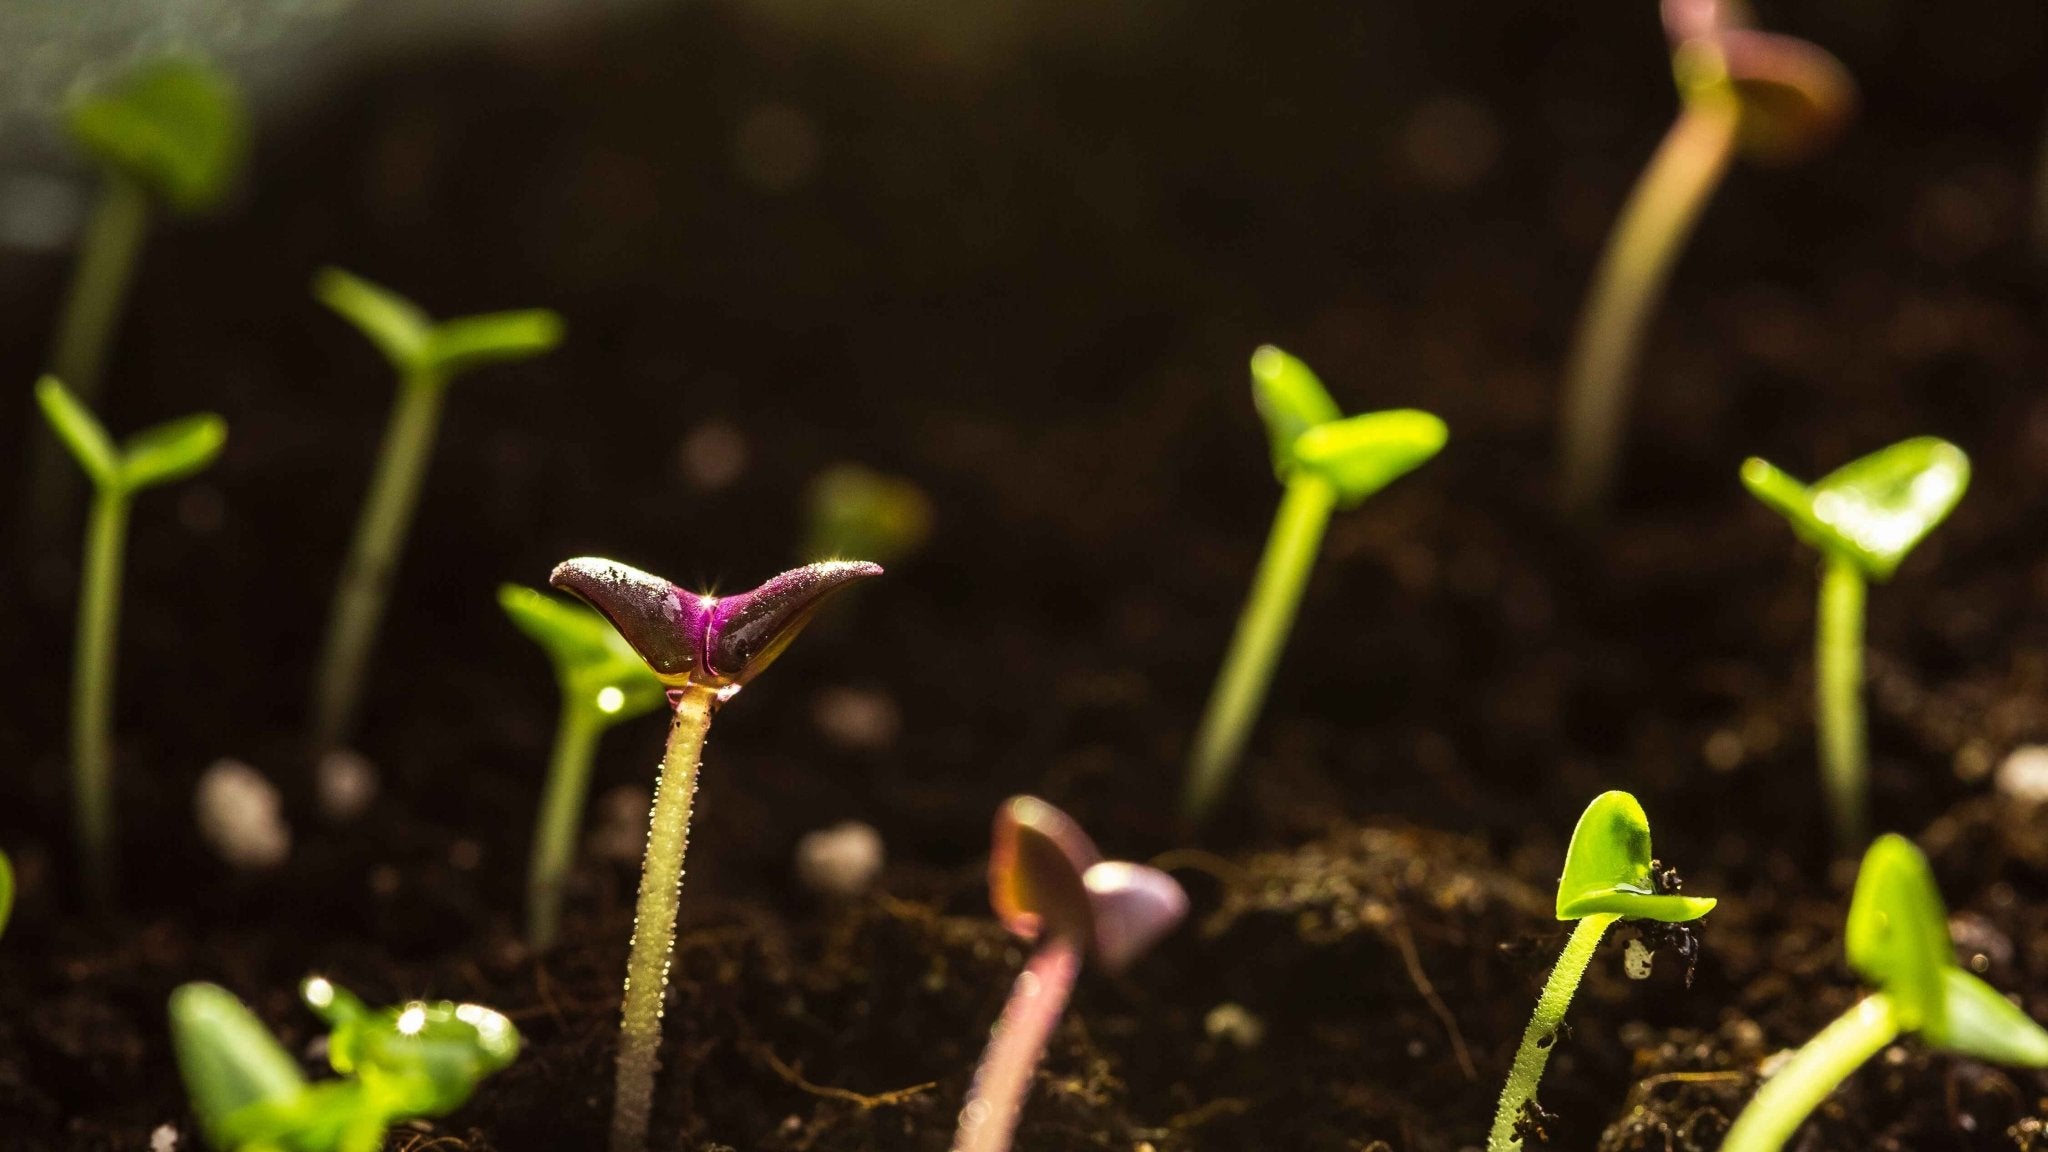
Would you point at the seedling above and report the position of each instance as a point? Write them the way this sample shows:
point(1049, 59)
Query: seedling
point(1048, 884)
point(1324, 460)
point(603, 682)
point(858, 512)
point(6, 891)
point(1897, 940)
point(1774, 99)
point(172, 131)
point(428, 356)
point(1609, 875)
point(152, 457)
point(703, 649)
point(420, 1058)
point(1863, 518)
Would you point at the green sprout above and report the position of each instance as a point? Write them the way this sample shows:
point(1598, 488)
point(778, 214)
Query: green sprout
point(150, 458)
point(1897, 940)
point(172, 130)
point(704, 649)
point(1863, 518)
point(420, 1058)
point(855, 511)
point(6, 891)
point(1324, 460)
point(1771, 98)
point(428, 356)
point(603, 682)
point(1609, 875)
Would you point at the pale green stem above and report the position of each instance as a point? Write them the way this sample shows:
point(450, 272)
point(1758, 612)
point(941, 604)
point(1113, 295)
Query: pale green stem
point(995, 1100)
point(1544, 1029)
point(1838, 698)
point(1654, 226)
point(1262, 630)
point(561, 816)
point(1790, 1096)
point(373, 556)
point(654, 917)
point(107, 254)
point(92, 690)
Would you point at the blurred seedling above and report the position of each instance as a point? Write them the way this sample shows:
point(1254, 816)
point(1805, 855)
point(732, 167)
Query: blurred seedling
point(703, 649)
point(6, 891)
point(1325, 460)
point(1771, 98)
point(603, 682)
point(1863, 518)
point(1609, 875)
point(417, 1059)
point(155, 456)
point(427, 356)
point(1897, 940)
point(855, 511)
point(171, 131)
point(1049, 885)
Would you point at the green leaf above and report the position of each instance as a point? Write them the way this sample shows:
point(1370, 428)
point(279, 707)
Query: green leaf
point(1897, 937)
point(1607, 868)
point(1979, 1022)
point(177, 126)
point(1363, 454)
point(228, 1059)
point(80, 431)
point(1290, 400)
point(1872, 510)
point(394, 324)
point(172, 451)
point(593, 663)
point(473, 341)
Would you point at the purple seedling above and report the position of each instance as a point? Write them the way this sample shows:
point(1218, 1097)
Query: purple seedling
point(1774, 99)
point(704, 649)
point(1048, 884)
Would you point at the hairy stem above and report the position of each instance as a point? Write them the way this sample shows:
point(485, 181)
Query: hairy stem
point(1654, 226)
point(107, 254)
point(1790, 1096)
point(561, 815)
point(92, 691)
point(1838, 698)
point(373, 556)
point(1255, 647)
point(995, 1100)
point(654, 917)
point(1541, 1035)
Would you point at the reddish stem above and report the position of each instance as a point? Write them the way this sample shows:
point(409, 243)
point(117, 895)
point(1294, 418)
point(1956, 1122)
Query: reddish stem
point(996, 1098)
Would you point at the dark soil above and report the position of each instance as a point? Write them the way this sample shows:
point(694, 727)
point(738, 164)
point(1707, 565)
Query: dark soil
point(1029, 281)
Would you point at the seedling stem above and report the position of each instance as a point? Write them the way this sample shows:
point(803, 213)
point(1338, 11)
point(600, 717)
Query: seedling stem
point(561, 814)
point(106, 263)
point(654, 916)
point(1815, 1071)
point(1003, 1080)
point(1261, 634)
point(1656, 222)
point(1838, 691)
point(374, 552)
point(1544, 1028)
point(92, 689)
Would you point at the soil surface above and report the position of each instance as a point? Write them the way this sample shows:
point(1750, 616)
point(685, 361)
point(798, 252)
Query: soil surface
point(1027, 277)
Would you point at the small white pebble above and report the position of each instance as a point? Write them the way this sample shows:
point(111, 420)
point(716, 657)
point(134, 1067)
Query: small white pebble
point(2024, 774)
point(240, 815)
point(859, 718)
point(620, 832)
point(163, 1138)
point(347, 783)
point(1637, 959)
point(1234, 1023)
point(841, 861)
